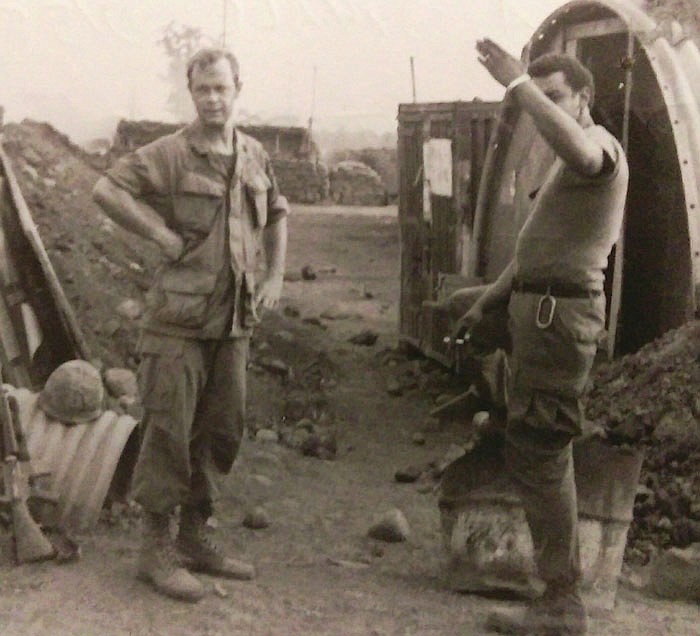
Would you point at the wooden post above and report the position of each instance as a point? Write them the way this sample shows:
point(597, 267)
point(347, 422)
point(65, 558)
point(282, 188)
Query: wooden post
point(223, 35)
point(616, 293)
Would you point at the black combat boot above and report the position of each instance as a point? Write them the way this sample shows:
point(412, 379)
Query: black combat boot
point(201, 552)
point(159, 564)
point(558, 612)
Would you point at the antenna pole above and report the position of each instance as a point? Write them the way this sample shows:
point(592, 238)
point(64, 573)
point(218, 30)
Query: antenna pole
point(413, 79)
point(313, 99)
point(225, 11)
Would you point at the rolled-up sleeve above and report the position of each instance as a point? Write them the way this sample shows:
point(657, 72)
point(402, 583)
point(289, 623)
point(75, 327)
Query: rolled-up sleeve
point(277, 204)
point(143, 172)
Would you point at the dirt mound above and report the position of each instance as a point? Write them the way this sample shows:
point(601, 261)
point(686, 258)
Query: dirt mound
point(98, 264)
point(652, 399)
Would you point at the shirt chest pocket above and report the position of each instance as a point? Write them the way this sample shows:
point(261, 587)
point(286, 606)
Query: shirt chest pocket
point(196, 203)
point(257, 185)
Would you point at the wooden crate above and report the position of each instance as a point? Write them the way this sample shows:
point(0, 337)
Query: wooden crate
point(436, 233)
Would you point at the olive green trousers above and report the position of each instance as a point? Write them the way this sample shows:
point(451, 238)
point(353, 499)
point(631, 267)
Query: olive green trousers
point(194, 394)
point(549, 367)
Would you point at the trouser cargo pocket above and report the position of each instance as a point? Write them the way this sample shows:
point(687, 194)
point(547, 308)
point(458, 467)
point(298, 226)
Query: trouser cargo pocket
point(182, 297)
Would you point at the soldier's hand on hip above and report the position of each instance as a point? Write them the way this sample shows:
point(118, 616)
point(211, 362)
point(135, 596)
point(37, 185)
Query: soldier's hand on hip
point(171, 244)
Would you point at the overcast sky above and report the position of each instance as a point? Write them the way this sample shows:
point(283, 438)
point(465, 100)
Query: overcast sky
point(81, 64)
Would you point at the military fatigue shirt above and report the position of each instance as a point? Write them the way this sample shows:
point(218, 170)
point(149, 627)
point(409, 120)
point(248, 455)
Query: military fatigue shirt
point(219, 211)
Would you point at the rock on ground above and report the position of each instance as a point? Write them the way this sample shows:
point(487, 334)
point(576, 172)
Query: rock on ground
point(391, 527)
point(121, 382)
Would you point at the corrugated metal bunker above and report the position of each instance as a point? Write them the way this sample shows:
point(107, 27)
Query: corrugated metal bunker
point(648, 95)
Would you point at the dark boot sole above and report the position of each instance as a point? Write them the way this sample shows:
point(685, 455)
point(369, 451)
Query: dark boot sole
point(223, 574)
point(146, 578)
point(514, 625)
point(505, 623)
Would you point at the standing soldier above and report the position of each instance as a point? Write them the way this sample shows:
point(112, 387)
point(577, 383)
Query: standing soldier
point(556, 315)
point(205, 196)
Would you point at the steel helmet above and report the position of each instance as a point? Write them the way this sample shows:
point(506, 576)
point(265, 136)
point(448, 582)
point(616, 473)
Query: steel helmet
point(73, 393)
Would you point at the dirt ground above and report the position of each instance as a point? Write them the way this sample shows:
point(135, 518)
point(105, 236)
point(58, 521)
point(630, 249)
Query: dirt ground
point(318, 573)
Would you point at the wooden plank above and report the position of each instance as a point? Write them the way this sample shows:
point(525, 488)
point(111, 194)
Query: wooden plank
point(24, 216)
point(618, 268)
point(417, 112)
point(595, 28)
point(13, 364)
point(467, 402)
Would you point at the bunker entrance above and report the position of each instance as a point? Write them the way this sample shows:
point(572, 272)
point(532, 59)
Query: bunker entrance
point(656, 260)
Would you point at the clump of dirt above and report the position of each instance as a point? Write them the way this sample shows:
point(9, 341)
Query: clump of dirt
point(651, 399)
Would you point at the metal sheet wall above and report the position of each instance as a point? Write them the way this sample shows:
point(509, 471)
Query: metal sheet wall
point(81, 458)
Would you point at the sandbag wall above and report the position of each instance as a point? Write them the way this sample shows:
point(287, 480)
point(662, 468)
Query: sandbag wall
point(355, 183)
point(302, 180)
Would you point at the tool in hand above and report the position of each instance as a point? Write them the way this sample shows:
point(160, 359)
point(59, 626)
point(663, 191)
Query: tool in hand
point(456, 345)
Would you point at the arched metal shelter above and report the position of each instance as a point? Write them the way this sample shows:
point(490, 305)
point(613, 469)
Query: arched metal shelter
point(647, 94)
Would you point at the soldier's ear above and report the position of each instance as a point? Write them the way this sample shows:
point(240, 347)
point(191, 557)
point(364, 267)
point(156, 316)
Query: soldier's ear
point(585, 93)
point(238, 84)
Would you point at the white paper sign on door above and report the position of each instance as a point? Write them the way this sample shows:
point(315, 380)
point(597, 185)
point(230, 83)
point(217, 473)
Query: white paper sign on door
point(437, 162)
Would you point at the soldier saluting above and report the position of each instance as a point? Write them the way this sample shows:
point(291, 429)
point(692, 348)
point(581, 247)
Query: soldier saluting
point(556, 307)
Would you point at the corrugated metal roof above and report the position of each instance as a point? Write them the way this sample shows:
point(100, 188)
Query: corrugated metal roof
point(81, 458)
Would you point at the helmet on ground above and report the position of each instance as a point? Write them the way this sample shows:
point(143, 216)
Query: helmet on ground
point(73, 393)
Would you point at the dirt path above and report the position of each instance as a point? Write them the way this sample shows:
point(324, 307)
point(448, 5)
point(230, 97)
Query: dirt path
point(318, 574)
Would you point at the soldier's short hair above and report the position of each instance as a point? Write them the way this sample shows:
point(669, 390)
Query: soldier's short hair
point(576, 74)
point(208, 56)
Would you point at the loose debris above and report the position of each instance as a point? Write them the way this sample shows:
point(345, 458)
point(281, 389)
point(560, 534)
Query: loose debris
point(676, 574)
point(343, 563)
point(409, 475)
point(365, 338)
point(267, 435)
point(121, 382)
point(257, 519)
point(220, 590)
point(308, 272)
point(391, 527)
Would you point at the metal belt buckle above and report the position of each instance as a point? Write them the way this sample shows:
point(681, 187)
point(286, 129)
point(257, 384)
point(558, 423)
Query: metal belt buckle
point(545, 310)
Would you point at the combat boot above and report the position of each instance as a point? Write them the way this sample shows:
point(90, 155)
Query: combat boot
point(159, 564)
point(202, 553)
point(558, 612)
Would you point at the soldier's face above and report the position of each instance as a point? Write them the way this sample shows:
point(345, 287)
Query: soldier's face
point(558, 90)
point(214, 91)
